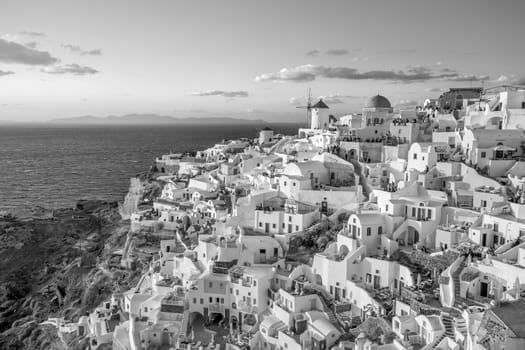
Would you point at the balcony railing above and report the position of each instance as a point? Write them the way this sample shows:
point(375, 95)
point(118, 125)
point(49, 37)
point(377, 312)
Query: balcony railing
point(216, 307)
point(247, 307)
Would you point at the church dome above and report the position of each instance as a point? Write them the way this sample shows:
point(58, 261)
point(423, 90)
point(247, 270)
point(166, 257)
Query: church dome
point(378, 101)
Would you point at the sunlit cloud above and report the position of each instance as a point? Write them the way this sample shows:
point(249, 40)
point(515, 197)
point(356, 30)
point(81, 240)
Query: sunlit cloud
point(79, 51)
point(229, 94)
point(310, 72)
point(72, 68)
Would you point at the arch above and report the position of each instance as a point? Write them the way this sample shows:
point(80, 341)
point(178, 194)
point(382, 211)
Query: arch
point(413, 236)
point(318, 279)
point(165, 337)
point(216, 317)
point(234, 322)
point(343, 250)
point(459, 101)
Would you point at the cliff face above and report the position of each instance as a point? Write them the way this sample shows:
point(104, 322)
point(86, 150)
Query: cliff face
point(141, 189)
point(133, 198)
point(56, 267)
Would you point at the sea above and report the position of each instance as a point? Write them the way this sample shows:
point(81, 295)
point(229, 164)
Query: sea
point(53, 166)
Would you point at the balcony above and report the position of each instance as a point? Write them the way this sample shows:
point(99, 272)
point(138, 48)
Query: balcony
point(216, 307)
point(247, 308)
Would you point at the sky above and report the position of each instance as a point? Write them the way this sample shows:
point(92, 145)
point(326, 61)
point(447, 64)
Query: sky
point(246, 58)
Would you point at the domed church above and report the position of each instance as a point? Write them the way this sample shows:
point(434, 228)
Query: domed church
point(377, 111)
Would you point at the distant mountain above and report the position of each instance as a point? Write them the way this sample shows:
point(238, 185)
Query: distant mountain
point(141, 119)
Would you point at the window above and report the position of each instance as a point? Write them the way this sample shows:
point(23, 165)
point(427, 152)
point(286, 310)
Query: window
point(285, 183)
point(496, 227)
point(284, 225)
point(202, 301)
point(296, 227)
point(211, 300)
point(483, 154)
point(415, 155)
point(254, 283)
point(368, 231)
point(386, 207)
point(274, 225)
point(290, 218)
point(293, 184)
point(236, 292)
point(222, 300)
point(380, 230)
point(413, 211)
point(195, 300)
point(260, 224)
point(523, 105)
point(210, 284)
point(217, 300)
point(368, 278)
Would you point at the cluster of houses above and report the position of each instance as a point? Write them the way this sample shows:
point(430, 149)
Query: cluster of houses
point(429, 252)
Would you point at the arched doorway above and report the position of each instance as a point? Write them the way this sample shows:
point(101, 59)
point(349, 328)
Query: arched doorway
point(216, 318)
point(412, 236)
point(234, 322)
point(459, 101)
point(166, 337)
point(343, 250)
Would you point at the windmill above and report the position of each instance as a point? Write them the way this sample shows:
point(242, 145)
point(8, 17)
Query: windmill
point(308, 107)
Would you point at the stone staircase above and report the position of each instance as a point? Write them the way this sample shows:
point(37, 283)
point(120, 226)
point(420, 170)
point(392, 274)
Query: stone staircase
point(327, 300)
point(461, 325)
point(448, 322)
point(458, 300)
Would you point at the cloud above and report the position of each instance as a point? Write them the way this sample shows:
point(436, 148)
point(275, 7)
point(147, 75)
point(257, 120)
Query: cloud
point(436, 89)
point(4, 72)
point(468, 77)
point(520, 81)
point(336, 98)
point(33, 34)
point(297, 74)
point(229, 94)
point(72, 68)
point(294, 101)
point(11, 52)
point(31, 44)
point(255, 110)
point(406, 103)
point(310, 72)
point(313, 52)
point(337, 52)
point(79, 51)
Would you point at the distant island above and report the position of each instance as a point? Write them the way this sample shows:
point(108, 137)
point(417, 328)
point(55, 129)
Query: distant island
point(141, 119)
